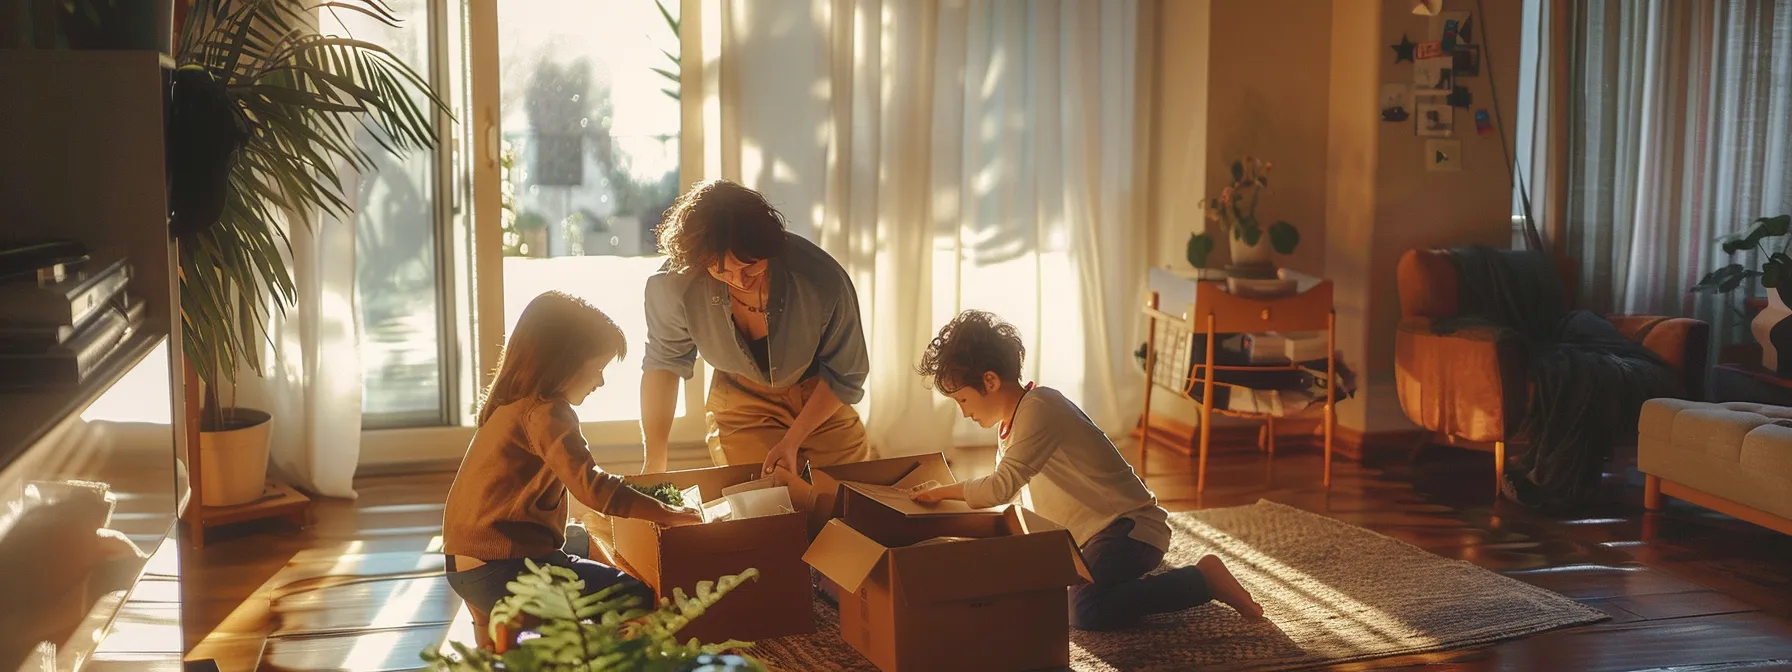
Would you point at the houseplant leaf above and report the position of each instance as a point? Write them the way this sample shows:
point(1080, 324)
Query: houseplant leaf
point(1283, 237)
point(311, 99)
point(1200, 246)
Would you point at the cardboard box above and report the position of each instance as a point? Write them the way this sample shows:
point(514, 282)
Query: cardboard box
point(821, 498)
point(778, 604)
point(993, 601)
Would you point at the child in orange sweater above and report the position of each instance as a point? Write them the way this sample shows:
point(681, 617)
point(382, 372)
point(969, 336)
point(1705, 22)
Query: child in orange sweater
point(508, 501)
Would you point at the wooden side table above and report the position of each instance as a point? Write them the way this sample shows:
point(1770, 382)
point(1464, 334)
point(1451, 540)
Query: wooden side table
point(1169, 356)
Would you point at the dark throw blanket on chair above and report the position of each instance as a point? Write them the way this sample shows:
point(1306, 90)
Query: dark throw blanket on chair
point(1588, 382)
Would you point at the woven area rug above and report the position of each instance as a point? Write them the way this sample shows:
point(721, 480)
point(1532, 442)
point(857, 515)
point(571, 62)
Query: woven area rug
point(1331, 592)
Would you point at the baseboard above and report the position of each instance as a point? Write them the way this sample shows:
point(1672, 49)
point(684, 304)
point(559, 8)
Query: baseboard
point(1240, 435)
point(1355, 443)
point(433, 449)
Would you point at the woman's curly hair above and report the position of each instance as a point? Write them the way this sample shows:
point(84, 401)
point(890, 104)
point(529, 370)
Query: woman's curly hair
point(974, 343)
point(715, 218)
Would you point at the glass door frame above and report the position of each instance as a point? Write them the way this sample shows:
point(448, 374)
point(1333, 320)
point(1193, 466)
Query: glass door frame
point(484, 126)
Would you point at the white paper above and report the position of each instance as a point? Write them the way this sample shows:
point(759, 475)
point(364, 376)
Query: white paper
point(718, 511)
point(1434, 77)
point(760, 502)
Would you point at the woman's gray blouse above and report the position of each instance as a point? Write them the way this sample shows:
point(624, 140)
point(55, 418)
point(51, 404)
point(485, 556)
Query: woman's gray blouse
point(812, 322)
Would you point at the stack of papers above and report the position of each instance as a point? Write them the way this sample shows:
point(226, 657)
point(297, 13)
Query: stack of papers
point(753, 499)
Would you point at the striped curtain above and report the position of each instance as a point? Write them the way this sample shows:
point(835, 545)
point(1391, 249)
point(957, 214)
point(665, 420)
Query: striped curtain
point(1676, 133)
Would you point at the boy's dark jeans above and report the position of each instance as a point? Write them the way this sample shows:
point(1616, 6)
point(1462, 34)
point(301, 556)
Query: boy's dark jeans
point(1121, 594)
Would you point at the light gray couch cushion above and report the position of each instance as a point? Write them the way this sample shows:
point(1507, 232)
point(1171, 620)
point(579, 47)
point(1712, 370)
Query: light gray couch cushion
point(1738, 451)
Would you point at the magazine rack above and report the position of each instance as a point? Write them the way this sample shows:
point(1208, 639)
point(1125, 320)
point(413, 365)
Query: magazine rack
point(1170, 349)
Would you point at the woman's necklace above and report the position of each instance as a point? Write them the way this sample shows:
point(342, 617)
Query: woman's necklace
point(764, 299)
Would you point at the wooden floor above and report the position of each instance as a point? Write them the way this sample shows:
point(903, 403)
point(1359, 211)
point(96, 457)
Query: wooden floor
point(360, 590)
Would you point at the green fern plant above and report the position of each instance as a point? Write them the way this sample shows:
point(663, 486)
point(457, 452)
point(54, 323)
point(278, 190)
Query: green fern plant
point(600, 632)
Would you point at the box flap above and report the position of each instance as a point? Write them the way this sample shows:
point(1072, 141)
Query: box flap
point(844, 555)
point(800, 490)
point(899, 500)
point(892, 528)
point(711, 479)
point(964, 570)
point(887, 471)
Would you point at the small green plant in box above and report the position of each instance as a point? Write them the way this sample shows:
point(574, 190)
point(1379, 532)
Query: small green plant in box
point(665, 492)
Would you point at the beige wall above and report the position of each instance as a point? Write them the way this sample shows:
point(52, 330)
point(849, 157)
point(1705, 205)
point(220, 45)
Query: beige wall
point(1297, 82)
point(1267, 92)
point(1179, 121)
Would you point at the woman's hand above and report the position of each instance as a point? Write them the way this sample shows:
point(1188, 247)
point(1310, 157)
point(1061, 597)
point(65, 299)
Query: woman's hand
point(787, 453)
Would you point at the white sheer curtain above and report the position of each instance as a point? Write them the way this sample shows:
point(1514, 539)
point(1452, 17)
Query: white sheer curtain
point(311, 384)
point(312, 387)
point(952, 155)
point(1677, 125)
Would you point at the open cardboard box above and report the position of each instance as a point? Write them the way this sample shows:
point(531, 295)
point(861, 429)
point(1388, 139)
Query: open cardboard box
point(778, 604)
point(821, 499)
point(992, 601)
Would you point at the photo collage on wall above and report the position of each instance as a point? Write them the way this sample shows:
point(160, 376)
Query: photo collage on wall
point(1449, 54)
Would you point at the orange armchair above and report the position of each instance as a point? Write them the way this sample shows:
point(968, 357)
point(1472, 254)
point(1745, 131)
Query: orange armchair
point(1472, 384)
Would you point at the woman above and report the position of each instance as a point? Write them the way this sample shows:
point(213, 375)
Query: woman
point(773, 315)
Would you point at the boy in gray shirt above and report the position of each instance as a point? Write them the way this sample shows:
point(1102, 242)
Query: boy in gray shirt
point(1073, 475)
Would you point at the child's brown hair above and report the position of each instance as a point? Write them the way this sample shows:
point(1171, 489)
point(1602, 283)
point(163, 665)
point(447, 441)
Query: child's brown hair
point(715, 218)
point(972, 344)
point(555, 336)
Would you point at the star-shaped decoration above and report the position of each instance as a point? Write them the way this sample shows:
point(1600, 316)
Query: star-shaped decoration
point(1403, 50)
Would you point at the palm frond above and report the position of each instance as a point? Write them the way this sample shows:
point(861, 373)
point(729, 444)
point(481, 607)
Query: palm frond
point(312, 102)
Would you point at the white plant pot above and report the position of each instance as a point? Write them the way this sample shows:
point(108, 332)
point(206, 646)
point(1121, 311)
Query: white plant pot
point(234, 462)
point(1260, 257)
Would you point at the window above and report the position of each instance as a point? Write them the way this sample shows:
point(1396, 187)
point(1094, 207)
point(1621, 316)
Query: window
point(401, 222)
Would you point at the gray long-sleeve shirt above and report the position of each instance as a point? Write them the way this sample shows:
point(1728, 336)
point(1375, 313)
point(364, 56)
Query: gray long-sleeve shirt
point(1075, 475)
point(813, 324)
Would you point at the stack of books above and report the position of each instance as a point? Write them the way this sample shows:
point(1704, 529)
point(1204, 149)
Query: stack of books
point(63, 312)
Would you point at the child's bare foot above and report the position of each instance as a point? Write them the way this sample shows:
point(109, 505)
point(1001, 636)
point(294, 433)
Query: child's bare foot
point(1226, 588)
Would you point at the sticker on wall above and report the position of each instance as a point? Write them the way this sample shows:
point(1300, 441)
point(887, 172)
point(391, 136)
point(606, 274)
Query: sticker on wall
point(1433, 77)
point(1466, 60)
point(1460, 97)
point(1435, 119)
point(1403, 50)
point(1483, 123)
point(1432, 49)
point(1456, 27)
point(1396, 102)
point(1443, 155)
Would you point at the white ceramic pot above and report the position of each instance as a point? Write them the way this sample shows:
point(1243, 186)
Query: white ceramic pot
point(1762, 328)
point(234, 462)
point(1259, 258)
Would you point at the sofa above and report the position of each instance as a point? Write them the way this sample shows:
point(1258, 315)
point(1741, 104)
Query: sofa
point(1734, 458)
point(1472, 385)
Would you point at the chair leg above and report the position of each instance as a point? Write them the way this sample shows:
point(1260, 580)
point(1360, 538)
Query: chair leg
point(1499, 468)
point(1652, 492)
point(1269, 428)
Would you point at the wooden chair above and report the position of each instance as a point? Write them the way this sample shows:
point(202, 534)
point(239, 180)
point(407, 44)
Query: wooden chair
point(1216, 312)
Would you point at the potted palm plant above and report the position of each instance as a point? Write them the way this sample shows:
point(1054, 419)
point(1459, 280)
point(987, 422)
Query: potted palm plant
point(264, 115)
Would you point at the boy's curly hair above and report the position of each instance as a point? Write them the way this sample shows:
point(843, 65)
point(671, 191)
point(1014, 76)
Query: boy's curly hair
point(715, 218)
point(974, 343)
